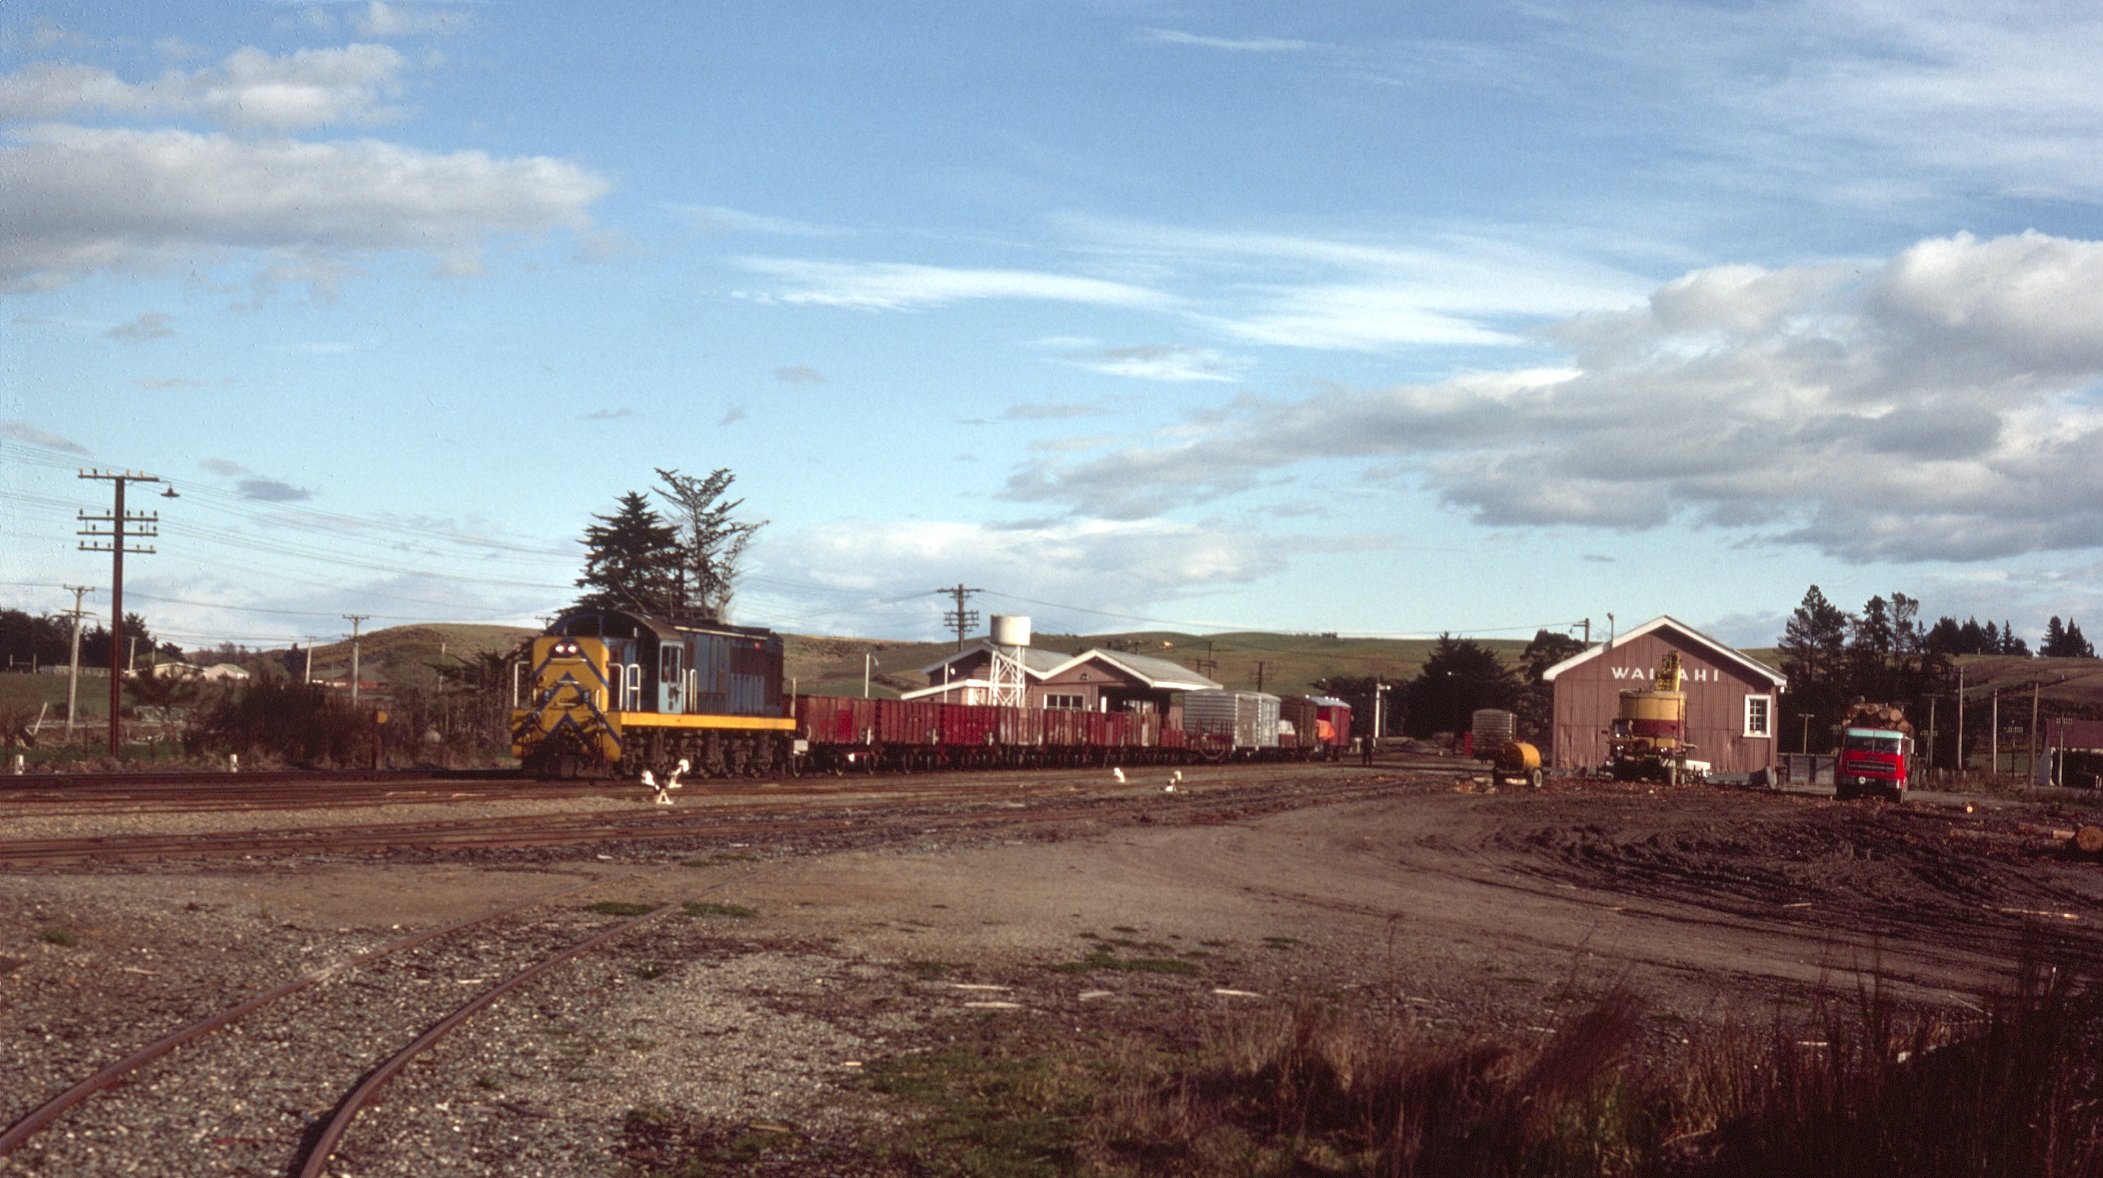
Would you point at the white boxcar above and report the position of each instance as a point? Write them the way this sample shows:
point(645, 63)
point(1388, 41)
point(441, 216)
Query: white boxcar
point(1244, 721)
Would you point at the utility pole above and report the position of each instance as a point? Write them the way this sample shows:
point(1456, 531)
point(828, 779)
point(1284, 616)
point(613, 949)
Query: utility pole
point(960, 619)
point(148, 526)
point(1960, 719)
point(1260, 664)
point(1207, 666)
point(2033, 731)
point(1993, 767)
point(354, 619)
point(73, 674)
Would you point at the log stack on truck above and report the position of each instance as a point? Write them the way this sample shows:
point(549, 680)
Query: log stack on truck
point(1876, 753)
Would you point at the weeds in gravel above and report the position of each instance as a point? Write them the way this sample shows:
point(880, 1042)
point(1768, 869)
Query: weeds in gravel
point(714, 908)
point(719, 858)
point(993, 1110)
point(620, 908)
point(1861, 1089)
point(63, 937)
point(1312, 1089)
point(1103, 958)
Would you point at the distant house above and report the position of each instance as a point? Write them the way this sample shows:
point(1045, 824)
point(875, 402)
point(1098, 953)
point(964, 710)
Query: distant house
point(216, 673)
point(1733, 700)
point(1092, 681)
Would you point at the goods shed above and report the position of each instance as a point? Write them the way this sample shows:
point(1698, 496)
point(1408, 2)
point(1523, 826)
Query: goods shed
point(1733, 700)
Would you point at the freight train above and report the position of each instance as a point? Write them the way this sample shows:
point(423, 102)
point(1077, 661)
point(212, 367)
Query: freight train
point(621, 692)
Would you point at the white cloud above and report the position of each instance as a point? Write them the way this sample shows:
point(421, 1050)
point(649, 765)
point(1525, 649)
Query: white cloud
point(1443, 288)
point(1941, 405)
point(250, 90)
point(381, 19)
point(897, 286)
point(717, 219)
point(1117, 568)
point(1865, 102)
point(82, 200)
point(1163, 362)
point(1229, 44)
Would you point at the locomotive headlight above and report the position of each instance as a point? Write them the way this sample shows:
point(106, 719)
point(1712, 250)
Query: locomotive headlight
point(566, 649)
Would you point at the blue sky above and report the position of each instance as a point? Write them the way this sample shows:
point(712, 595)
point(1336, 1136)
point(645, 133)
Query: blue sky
point(1356, 317)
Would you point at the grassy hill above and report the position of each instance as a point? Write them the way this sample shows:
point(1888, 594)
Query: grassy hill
point(406, 654)
point(1290, 664)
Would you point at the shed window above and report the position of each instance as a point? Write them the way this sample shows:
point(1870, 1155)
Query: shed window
point(1070, 702)
point(1759, 715)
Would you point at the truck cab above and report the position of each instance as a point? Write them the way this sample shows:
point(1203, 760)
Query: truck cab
point(1873, 761)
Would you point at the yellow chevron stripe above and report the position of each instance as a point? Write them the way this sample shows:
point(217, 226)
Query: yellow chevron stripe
point(737, 723)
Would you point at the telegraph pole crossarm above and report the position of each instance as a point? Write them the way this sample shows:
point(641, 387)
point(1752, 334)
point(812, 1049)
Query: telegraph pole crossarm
point(960, 619)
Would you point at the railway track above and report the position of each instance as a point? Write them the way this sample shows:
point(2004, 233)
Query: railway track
point(712, 812)
point(346, 1030)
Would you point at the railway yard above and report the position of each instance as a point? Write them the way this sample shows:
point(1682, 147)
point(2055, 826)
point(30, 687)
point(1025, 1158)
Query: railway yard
point(390, 975)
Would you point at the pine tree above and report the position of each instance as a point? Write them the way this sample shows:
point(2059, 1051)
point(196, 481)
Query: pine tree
point(708, 541)
point(1814, 643)
point(1459, 676)
point(628, 558)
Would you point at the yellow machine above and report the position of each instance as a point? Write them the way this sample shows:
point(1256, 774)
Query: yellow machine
point(1649, 739)
point(1516, 760)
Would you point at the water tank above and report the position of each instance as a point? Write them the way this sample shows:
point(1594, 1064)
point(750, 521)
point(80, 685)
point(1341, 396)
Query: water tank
point(1010, 630)
point(1656, 714)
point(1492, 727)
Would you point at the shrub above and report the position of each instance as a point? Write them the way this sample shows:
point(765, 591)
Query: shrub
point(295, 723)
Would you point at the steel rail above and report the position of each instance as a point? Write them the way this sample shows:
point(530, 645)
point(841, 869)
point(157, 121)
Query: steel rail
point(323, 1147)
point(57, 1106)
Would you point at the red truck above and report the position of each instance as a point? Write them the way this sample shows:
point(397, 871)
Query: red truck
point(1876, 754)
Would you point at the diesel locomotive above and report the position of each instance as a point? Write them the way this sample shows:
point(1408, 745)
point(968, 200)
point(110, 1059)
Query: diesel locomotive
point(625, 691)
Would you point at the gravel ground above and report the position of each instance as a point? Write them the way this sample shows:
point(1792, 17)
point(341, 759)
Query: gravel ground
point(1492, 913)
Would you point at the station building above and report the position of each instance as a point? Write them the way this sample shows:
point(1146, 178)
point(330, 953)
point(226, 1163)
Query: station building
point(1092, 681)
point(1734, 701)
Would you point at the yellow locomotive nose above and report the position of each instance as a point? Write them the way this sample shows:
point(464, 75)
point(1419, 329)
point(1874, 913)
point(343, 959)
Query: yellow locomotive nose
point(566, 718)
